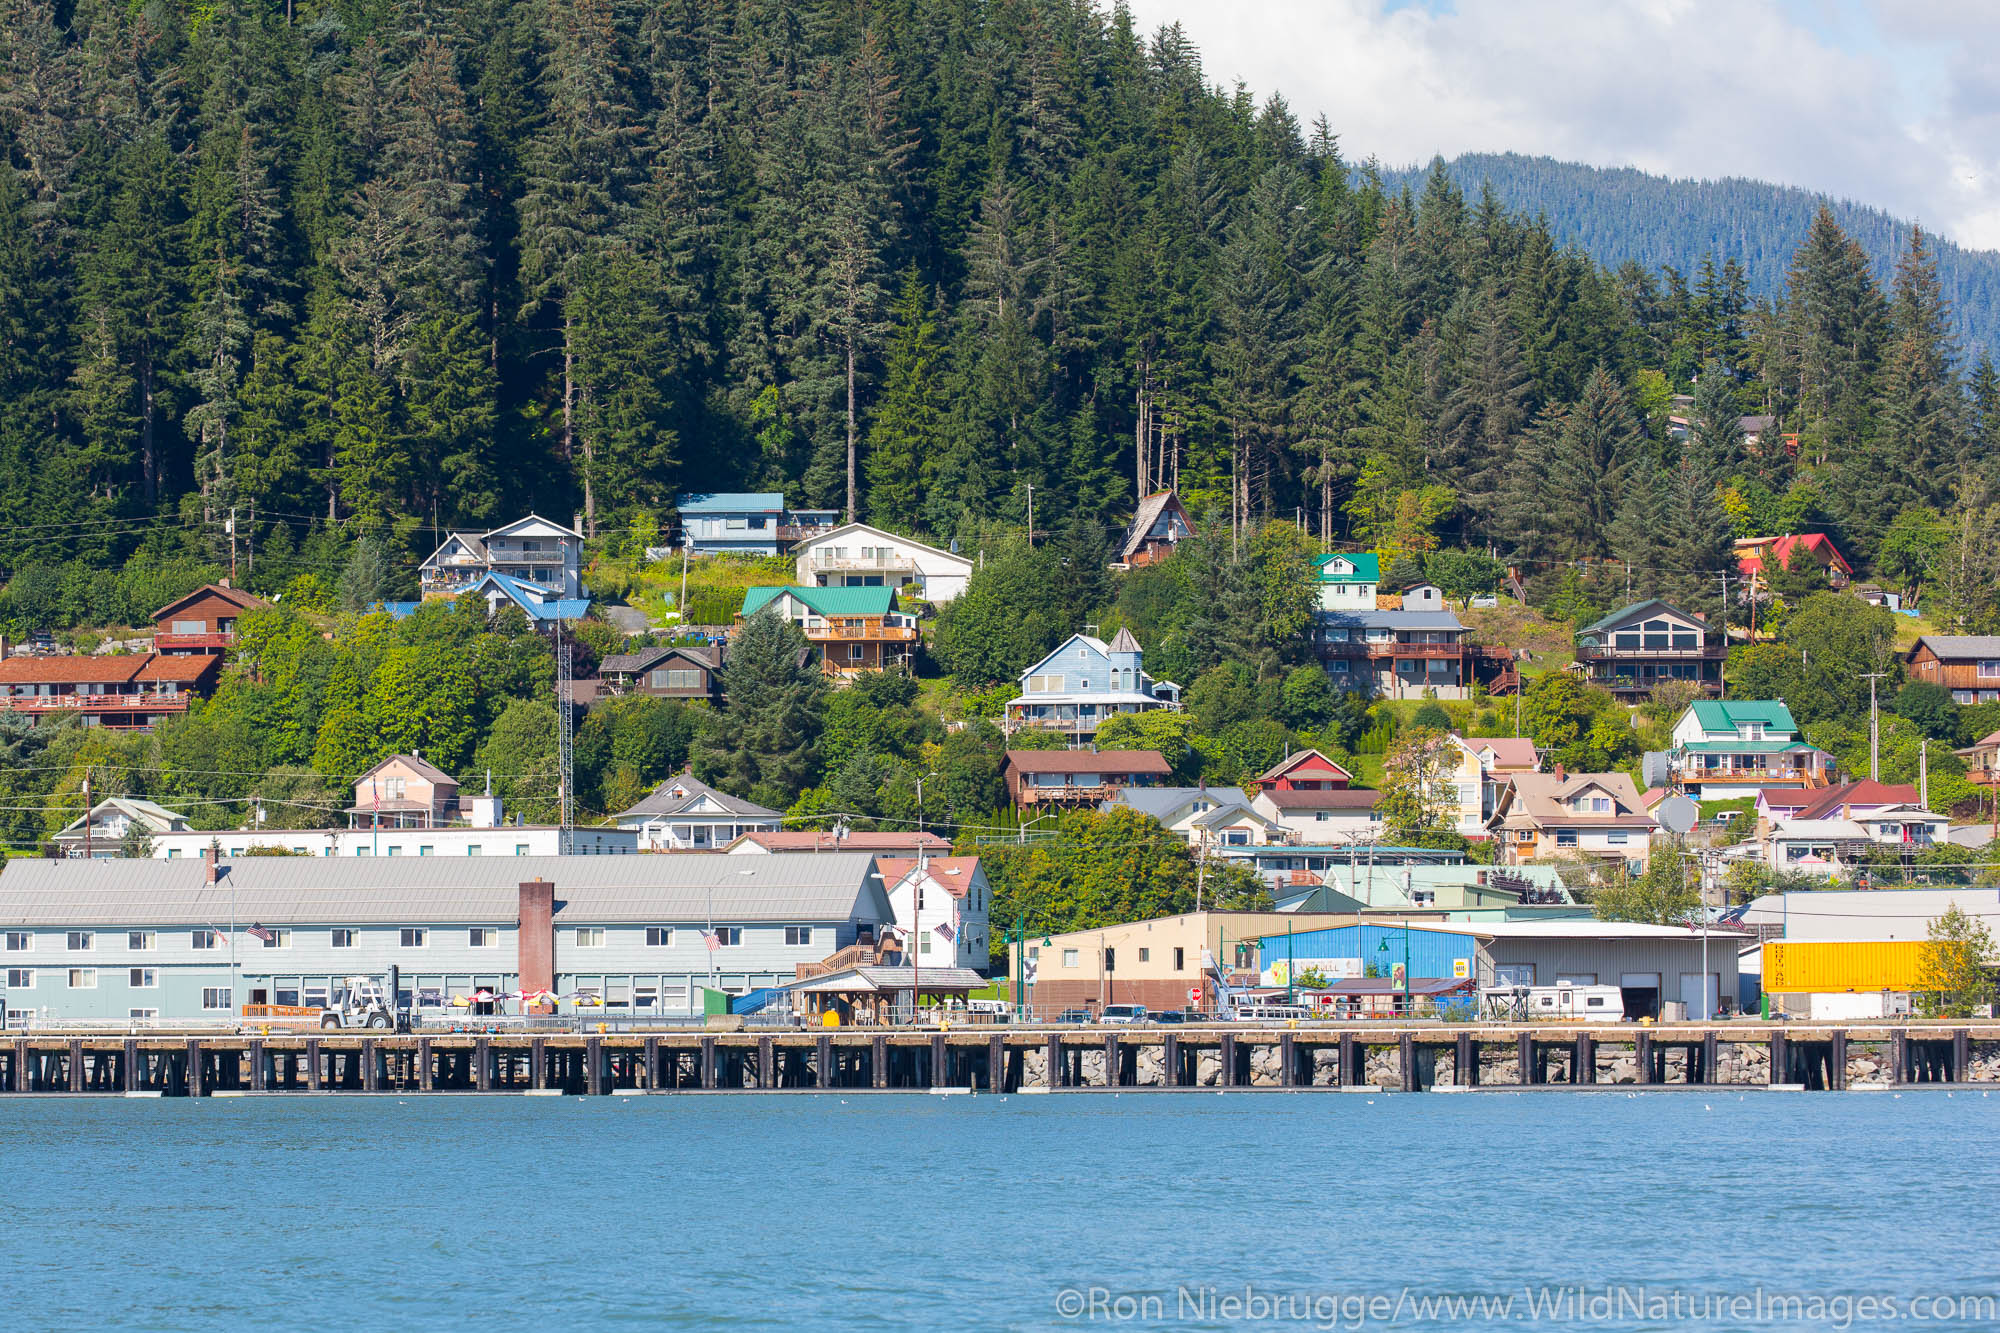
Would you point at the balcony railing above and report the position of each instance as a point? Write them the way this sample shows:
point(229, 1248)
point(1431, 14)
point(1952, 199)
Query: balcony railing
point(863, 563)
point(1385, 649)
point(869, 633)
point(50, 703)
point(168, 643)
point(1606, 653)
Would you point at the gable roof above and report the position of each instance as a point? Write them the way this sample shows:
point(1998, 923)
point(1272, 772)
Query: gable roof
point(1866, 792)
point(1087, 761)
point(192, 669)
point(1636, 611)
point(150, 813)
point(1729, 714)
point(422, 767)
point(683, 790)
point(1508, 751)
point(1339, 798)
point(1292, 761)
point(1090, 641)
point(1539, 798)
point(824, 601)
point(1163, 802)
point(1959, 645)
point(1148, 513)
point(952, 873)
point(1752, 550)
point(1443, 620)
point(907, 543)
point(473, 546)
point(825, 840)
point(1367, 567)
point(530, 597)
point(235, 596)
point(731, 502)
point(73, 669)
point(645, 659)
point(554, 528)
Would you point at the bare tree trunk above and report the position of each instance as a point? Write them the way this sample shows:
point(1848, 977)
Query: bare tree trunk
point(149, 462)
point(589, 486)
point(851, 510)
point(569, 392)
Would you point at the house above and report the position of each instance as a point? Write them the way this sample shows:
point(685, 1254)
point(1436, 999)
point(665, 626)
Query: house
point(1158, 525)
point(404, 791)
point(1347, 581)
point(1761, 557)
point(1572, 814)
point(626, 936)
point(674, 671)
point(942, 903)
point(1083, 682)
point(1723, 750)
point(1647, 643)
point(1982, 759)
point(1966, 664)
point(1394, 654)
point(103, 828)
point(1322, 816)
point(534, 551)
point(1876, 595)
point(1043, 777)
point(1205, 816)
point(894, 842)
point(1835, 843)
point(204, 621)
point(1422, 597)
point(855, 555)
point(686, 814)
point(1755, 428)
point(132, 692)
point(1308, 770)
point(747, 523)
point(1484, 768)
point(855, 629)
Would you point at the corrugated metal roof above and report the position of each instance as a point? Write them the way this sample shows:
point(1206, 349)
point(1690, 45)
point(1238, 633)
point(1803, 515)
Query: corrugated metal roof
point(732, 502)
point(1961, 645)
point(1435, 620)
point(826, 601)
point(278, 890)
point(1729, 714)
point(1087, 761)
point(678, 793)
point(1367, 567)
point(1159, 802)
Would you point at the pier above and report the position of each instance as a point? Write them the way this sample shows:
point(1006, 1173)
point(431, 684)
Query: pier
point(1384, 1058)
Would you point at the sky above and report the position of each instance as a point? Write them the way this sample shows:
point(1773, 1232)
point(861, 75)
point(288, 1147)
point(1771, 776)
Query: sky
point(1886, 102)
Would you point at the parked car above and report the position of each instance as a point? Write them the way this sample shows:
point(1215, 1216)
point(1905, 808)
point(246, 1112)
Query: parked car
point(1073, 1016)
point(1167, 1016)
point(1124, 1013)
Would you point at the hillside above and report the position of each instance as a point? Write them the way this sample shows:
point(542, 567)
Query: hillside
point(1617, 214)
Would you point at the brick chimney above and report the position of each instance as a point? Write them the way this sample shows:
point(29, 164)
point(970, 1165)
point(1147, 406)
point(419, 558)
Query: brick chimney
point(1559, 773)
point(535, 938)
point(210, 871)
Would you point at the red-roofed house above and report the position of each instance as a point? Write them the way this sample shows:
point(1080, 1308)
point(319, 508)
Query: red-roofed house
point(1039, 777)
point(892, 841)
point(1486, 764)
point(1761, 557)
point(942, 903)
point(1857, 800)
point(129, 692)
point(1308, 770)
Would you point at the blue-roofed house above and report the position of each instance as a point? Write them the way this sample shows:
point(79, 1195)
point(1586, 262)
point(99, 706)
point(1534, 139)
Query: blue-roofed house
point(855, 629)
point(1083, 682)
point(747, 523)
point(1347, 580)
point(533, 550)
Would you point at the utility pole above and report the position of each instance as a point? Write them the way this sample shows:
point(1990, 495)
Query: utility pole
point(1031, 513)
point(1874, 727)
point(1721, 681)
point(232, 545)
point(682, 605)
point(87, 820)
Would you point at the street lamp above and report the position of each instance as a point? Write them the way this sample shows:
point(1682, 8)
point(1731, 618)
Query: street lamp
point(1383, 947)
point(917, 907)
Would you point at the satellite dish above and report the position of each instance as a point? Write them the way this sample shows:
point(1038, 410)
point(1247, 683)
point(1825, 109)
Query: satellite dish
point(1677, 814)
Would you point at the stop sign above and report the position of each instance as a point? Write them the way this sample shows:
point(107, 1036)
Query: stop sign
point(1194, 997)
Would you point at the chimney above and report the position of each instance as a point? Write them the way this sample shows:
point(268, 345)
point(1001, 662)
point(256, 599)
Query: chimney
point(1559, 773)
point(3, 647)
point(210, 871)
point(535, 939)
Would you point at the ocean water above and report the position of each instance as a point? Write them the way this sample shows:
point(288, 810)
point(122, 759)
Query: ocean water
point(1022, 1212)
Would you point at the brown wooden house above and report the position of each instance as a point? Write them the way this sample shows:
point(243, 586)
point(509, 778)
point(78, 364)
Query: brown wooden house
point(1044, 777)
point(1968, 665)
point(677, 671)
point(204, 621)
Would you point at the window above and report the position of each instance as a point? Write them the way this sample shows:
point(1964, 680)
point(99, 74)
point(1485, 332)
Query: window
point(81, 941)
point(1180, 959)
point(520, 849)
point(1514, 974)
point(1617, 839)
point(83, 978)
point(659, 937)
point(729, 936)
point(142, 1013)
point(1989, 667)
point(343, 939)
point(423, 849)
point(645, 997)
point(415, 937)
point(1565, 837)
point(139, 941)
point(1045, 685)
point(19, 941)
point(315, 997)
point(1110, 959)
point(1145, 955)
point(1965, 696)
point(215, 997)
point(677, 678)
point(924, 943)
point(472, 849)
point(279, 938)
point(144, 978)
point(1069, 958)
point(798, 935)
point(482, 937)
point(590, 937)
point(205, 939)
point(285, 995)
point(20, 978)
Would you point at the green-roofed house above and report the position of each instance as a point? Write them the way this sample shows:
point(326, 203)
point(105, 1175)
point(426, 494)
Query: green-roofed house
point(855, 629)
point(1347, 580)
point(1739, 747)
point(1646, 644)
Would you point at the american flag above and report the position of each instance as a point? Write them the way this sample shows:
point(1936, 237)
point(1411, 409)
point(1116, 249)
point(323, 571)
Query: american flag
point(711, 939)
point(261, 933)
point(944, 929)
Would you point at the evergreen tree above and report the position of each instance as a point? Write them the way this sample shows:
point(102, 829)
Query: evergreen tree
point(764, 741)
point(905, 437)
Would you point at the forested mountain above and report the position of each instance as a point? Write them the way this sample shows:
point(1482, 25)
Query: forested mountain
point(1618, 213)
point(371, 269)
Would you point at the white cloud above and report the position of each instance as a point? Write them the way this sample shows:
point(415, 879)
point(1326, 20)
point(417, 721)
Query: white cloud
point(1812, 94)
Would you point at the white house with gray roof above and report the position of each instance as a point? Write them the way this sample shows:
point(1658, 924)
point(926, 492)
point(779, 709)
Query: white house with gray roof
point(120, 942)
point(1205, 816)
point(686, 814)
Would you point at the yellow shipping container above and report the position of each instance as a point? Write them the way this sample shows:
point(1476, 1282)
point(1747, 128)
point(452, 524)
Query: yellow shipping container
point(1801, 967)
